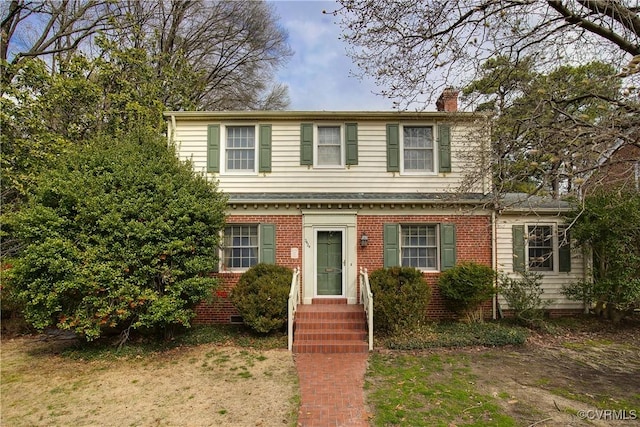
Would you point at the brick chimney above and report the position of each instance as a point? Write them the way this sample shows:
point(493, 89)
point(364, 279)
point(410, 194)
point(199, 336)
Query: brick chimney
point(448, 101)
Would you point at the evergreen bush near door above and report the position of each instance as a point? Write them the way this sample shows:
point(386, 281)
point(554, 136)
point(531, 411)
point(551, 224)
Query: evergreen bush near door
point(466, 286)
point(261, 296)
point(400, 298)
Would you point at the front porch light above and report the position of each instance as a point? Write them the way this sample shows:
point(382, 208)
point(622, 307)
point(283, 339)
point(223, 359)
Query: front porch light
point(364, 240)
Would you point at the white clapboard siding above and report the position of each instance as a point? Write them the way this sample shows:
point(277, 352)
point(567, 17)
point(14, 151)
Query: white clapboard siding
point(369, 175)
point(551, 281)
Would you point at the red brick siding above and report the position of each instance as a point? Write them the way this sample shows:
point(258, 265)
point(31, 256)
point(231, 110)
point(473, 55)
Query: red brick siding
point(473, 243)
point(288, 235)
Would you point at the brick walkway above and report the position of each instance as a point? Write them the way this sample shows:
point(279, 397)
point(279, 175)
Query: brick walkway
point(332, 389)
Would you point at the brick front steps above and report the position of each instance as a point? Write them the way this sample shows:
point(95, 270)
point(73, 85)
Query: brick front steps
point(329, 325)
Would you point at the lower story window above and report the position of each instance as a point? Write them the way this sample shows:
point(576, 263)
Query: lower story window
point(419, 246)
point(540, 239)
point(241, 246)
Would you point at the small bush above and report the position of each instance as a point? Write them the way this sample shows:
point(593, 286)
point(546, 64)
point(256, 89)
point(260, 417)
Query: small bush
point(524, 296)
point(466, 286)
point(261, 297)
point(400, 298)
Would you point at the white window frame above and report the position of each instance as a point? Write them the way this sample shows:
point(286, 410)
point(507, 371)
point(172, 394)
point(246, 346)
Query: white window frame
point(434, 149)
point(555, 249)
point(224, 148)
point(436, 227)
point(316, 141)
point(223, 258)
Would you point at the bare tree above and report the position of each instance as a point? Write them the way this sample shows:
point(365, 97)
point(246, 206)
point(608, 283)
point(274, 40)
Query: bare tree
point(49, 28)
point(414, 47)
point(235, 47)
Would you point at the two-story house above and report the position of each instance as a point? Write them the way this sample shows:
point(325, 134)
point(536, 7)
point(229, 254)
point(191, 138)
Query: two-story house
point(333, 192)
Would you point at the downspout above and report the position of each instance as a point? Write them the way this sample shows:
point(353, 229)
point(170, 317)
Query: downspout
point(494, 261)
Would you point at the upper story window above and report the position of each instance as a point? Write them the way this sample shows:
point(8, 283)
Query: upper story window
point(329, 145)
point(240, 148)
point(418, 149)
point(329, 148)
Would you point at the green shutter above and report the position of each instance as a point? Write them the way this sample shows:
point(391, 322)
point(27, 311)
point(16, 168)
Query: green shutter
point(518, 248)
point(393, 148)
point(391, 242)
point(268, 243)
point(306, 144)
point(564, 249)
point(265, 148)
point(447, 246)
point(213, 148)
point(444, 148)
point(352, 143)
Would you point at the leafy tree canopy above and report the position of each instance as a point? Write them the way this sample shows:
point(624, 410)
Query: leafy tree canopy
point(608, 224)
point(544, 137)
point(118, 235)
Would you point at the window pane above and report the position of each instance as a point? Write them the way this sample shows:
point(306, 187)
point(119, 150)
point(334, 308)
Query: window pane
point(241, 246)
point(540, 248)
point(419, 246)
point(240, 152)
point(418, 148)
point(329, 146)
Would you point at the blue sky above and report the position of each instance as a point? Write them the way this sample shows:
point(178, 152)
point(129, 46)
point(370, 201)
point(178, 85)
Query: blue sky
point(318, 74)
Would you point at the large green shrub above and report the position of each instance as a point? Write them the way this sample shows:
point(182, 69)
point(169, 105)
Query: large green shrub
point(466, 286)
point(608, 224)
point(524, 296)
point(400, 298)
point(118, 235)
point(261, 296)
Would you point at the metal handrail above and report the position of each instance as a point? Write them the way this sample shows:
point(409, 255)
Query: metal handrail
point(294, 300)
point(367, 300)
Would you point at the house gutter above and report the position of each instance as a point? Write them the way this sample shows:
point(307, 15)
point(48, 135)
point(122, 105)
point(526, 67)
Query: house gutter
point(494, 261)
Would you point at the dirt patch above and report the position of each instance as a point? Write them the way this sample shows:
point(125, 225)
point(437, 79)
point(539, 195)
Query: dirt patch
point(207, 385)
point(579, 379)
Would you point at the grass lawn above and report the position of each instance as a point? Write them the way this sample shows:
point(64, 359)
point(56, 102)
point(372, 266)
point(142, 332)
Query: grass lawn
point(569, 375)
point(218, 378)
point(439, 375)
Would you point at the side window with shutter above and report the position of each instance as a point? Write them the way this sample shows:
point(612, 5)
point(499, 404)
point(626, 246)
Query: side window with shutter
point(351, 131)
point(391, 239)
point(447, 246)
point(245, 245)
point(213, 148)
point(564, 249)
point(444, 148)
point(265, 148)
point(268, 243)
point(393, 148)
point(306, 144)
point(519, 260)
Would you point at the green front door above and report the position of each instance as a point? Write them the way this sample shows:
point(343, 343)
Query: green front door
point(329, 262)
